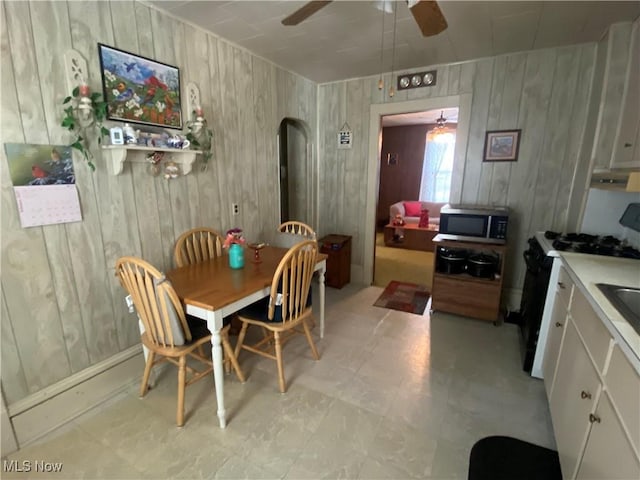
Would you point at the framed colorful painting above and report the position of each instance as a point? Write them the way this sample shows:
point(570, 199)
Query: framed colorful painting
point(140, 90)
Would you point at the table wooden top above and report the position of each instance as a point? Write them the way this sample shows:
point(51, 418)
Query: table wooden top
point(213, 285)
point(414, 226)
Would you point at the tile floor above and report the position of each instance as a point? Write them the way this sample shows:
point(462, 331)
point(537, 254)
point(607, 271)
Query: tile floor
point(394, 395)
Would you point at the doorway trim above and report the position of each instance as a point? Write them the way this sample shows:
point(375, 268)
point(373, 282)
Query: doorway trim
point(377, 111)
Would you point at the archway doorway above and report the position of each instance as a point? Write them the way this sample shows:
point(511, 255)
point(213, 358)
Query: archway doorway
point(295, 171)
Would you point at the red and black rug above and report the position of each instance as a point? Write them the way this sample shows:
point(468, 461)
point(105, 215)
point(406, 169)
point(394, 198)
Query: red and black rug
point(406, 297)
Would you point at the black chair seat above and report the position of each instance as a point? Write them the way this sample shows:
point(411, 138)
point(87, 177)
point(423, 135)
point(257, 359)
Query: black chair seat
point(506, 458)
point(199, 328)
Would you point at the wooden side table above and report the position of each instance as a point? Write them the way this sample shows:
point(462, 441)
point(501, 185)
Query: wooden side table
point(338, 249)
point(413, 237)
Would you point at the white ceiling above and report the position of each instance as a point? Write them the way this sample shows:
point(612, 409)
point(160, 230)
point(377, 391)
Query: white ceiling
point(344, 40)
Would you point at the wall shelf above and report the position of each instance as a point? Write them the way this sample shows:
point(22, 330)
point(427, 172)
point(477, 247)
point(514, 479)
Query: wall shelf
point(116, 155)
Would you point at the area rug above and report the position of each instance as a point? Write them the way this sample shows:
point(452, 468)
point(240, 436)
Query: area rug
point(406, 297)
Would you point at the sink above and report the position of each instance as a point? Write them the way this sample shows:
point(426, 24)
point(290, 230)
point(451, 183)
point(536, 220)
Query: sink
point(626, 300)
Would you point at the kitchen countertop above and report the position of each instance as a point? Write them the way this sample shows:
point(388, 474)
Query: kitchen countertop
point(587, 270)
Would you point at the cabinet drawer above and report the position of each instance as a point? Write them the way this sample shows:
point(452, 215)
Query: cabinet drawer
point(564, 286)
point(595, 335)
point(623, 385)
point(472, 298)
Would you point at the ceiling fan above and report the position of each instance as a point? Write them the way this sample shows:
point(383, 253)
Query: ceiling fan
point(426, 13)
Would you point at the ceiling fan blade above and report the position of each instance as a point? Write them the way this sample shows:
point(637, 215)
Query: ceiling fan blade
point(429, 17)
point(305, 12)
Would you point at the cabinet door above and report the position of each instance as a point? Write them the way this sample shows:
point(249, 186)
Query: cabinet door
point(610, 111)
point(627, 151)
point(575, 389)
point(608, 453)
point(556, 331)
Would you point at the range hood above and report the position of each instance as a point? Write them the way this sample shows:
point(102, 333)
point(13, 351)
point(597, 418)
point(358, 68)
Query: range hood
point(619, 180)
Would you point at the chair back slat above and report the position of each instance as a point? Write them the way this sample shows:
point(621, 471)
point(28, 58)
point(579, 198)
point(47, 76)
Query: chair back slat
point(293, 280)
point(154, 299)
point(297, 228)
point(197, 245)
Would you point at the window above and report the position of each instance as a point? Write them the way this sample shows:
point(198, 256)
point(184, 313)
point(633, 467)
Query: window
point(437, 168)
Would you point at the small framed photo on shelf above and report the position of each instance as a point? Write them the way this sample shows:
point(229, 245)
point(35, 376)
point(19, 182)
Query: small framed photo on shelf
point(392, 158)
point(501, 146)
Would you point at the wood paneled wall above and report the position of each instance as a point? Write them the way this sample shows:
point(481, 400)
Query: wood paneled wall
point(62, 308)
point(400, 181)
point(545, 93)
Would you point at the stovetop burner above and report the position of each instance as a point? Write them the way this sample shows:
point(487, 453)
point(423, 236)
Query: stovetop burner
point(592, 244)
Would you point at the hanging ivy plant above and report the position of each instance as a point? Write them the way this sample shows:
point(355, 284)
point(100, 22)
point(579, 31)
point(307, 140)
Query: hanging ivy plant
point(87, 128)
point(201, 139)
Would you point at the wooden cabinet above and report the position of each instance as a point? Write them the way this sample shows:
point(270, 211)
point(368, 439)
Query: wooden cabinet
point(563, 291)
point(608, 453)
point(554, 340)
point(338, 249)
point(464, 294)
point(626, 152)
point(572, 400)
point(594, 395)
point(613, 50)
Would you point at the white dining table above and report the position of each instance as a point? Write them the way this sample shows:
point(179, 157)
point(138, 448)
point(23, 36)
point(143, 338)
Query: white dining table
point(212, 290)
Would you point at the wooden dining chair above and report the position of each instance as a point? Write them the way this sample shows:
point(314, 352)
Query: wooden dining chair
point(297, 228)
point(285, 310)
point(169, 334)
point(197, 245)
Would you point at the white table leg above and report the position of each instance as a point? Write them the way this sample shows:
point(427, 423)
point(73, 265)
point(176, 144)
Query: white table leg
point(145, 350)
point(214, 323)
point(323, 270)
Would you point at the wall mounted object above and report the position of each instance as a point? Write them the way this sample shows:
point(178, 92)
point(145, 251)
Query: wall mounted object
point(501, 146)
point(140, 90)
point(417, 80)
point(345, 136)
point(116, 155)
point(199, 133)
point(84, 111)
point(44, 184)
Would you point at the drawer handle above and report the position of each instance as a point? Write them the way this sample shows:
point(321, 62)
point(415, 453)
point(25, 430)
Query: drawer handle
point(585, 395)
point(558, 324)
point(593, 418)
point(561, 285)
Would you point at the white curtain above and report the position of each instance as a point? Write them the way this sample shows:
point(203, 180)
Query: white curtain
point(437, 167)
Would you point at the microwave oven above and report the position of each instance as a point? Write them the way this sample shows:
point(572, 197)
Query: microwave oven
point(474, 223)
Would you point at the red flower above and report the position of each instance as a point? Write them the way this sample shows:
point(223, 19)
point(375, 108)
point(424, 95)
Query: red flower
point(234, 236)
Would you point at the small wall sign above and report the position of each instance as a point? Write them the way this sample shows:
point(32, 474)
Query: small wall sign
point(345, 137)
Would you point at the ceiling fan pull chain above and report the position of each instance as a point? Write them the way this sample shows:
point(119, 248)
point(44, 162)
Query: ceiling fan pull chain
point(380, 81)
point(393, 53)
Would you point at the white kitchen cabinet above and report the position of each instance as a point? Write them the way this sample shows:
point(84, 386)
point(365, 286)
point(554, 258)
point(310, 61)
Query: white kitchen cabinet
point(615, 50)
point(562, 288)
point(573, 397)
point(623, 387)
point(608, 453)
point(594, 396)
point(626, 152)
point(554, 340)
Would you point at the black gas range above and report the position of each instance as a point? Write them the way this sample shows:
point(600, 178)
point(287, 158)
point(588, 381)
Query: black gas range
point(539, 258)
point(591, 244)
